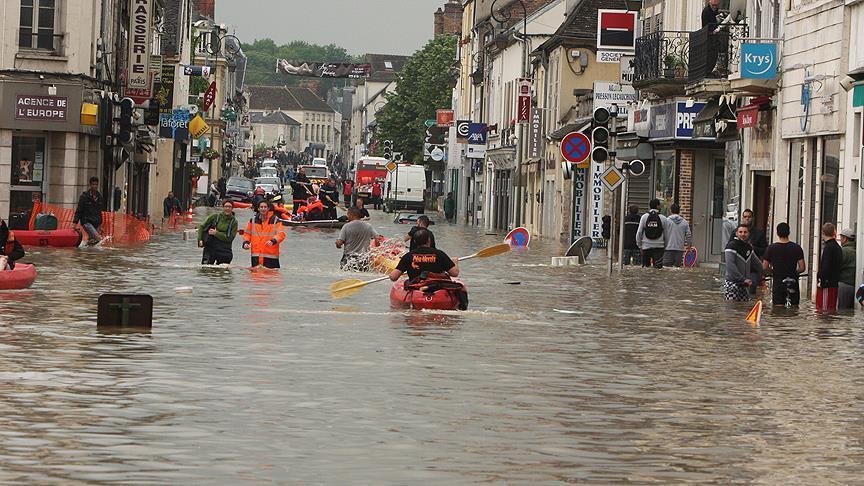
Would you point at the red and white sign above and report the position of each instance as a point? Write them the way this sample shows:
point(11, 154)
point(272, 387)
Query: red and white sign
point(616, 29)
point(140, 37)
point(140, 95)
point(575, 147)
point(523, 97)
point(748, 117)
point(444, 118)
point(210, 96)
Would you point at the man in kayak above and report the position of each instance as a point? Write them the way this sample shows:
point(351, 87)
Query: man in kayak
point(300, 189)
point(216, 234)
point(329, 195)
point(171, 205)
point(89, 212)
point(422, 223)
point(10, 249)
point(424, 261)
point(355, 238)
point(263, 235)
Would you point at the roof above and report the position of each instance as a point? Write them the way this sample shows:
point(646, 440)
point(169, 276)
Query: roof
point(286, 98)
point(275, 118)
point(384, 67)
point(580, 28)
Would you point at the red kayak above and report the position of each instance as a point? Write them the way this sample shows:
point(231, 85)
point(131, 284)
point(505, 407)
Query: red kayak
point(435, 294)
point(20, 278)
point(241, 205)
point(65, 238)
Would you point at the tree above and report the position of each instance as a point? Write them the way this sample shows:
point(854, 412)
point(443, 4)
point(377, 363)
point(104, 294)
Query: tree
point(422, 88)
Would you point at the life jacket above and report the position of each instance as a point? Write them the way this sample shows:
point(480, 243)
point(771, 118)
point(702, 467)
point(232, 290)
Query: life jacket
point(317, 205)
point(259, 232)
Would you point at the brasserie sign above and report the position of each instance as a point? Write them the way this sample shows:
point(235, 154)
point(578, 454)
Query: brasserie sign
point(140, 34)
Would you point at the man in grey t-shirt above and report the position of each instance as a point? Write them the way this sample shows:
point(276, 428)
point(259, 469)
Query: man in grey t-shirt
point(355, 238)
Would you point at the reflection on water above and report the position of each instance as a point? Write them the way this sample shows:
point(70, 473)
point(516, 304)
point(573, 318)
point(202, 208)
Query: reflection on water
point(566, 376)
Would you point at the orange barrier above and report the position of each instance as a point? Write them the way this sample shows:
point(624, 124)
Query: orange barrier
point(120, 229)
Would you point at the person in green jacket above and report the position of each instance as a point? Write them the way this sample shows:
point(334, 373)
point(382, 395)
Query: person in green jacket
point(216, 234)
point(846, 290)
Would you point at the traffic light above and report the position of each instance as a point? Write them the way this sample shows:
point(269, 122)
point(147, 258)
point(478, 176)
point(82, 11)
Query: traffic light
point(600, 135)
point(388, 149)
point(127, 109)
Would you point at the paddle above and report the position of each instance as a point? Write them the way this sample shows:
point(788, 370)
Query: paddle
point(349, 287)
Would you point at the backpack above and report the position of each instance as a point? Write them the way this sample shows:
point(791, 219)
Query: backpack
point(45, 222)
point(653, 226)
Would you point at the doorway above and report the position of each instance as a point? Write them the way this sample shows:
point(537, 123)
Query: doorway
point(762, 201)
point(26, 180)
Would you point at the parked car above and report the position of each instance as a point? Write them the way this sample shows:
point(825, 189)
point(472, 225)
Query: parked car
point(268, 172)
point(269, 163)
point(316, 173)
point(239, 189)
point(319, 162)
point(271, 185)
point(405, 188)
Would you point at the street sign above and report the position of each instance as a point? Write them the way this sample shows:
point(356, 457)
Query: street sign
point(437, 154)
point(612, 178)
point(518, 238)
point(575, 147)
point(391, 166)
point(430, 123)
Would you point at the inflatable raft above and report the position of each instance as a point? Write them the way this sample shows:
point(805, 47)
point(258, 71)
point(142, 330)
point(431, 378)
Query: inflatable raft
point(65, 238)
point(431, 294)
point(327, 223)
point(241, 205)
point(21, 277)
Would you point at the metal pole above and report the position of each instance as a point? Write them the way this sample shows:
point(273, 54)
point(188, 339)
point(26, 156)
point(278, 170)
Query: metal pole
point(621, 213)
point(612, 139)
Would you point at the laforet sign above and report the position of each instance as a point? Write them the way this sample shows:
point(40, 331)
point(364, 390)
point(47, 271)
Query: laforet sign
point(42, 108)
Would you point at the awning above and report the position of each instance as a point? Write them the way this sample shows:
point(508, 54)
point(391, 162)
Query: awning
point(502, 158)
point(562, 132)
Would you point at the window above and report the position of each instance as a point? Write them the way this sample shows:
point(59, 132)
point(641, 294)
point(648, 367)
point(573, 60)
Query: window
point(307, 133)
point(328, 134)
point(36, 27)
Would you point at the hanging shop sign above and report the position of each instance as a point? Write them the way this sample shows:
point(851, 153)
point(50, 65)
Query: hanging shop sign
point(607, 94)
point(198, 127)
point(140, 35)
point(174, 125)
point(523, 100)
point(748, 116)
point(210, 96)
point(42, 108)
point(444, 118)
point(197, 70)
point(596, 199)
point(579, 202)
point(535, 138)
point(462, 130)
point(759, 60)
point(476, 141)
point(165, 93)
point(616, 30)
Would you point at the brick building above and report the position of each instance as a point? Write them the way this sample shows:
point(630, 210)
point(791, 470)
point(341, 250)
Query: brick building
point(448, 20)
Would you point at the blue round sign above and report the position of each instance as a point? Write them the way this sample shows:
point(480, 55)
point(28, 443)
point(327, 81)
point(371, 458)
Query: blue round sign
point(518, 238)
point(575, 147)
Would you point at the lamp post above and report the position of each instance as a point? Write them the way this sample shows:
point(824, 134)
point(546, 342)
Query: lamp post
point(503, 16)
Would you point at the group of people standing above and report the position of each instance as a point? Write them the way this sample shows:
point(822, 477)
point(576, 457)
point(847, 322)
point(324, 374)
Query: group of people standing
point(654, 239)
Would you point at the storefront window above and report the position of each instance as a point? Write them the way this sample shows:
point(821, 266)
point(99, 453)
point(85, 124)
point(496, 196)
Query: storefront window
point(28, 169)
point(664, 180)
point(830, 176)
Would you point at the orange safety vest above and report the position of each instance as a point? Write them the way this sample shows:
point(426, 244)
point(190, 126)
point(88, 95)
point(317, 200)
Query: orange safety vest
point(258, 233)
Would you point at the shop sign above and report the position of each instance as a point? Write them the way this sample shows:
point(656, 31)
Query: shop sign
point(578, 202)
point(616, 30)
point(523, 99)
point(606, 94)
point(758, 60)
point(476, 141)
point(462, 130)
point(140, 35)
point(165, 94)
point(747, 118)
point(196, 70)
point(661, 125)
point(628, 69)
point(641, 121)
point(596, 198)
point(535, 140)
point(210, 96)
point(41, 108)
point(175, 125)
point(684, 118)
point(444, 118)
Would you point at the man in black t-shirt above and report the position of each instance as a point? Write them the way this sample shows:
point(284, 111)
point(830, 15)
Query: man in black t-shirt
point(424, 260)
point(360, 205)
point(785, 260)
point(422, 223)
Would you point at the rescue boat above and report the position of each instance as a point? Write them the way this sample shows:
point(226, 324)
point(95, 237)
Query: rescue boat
point(64, 238)
point(21, 277)
point(326, 223)
point(437, 294)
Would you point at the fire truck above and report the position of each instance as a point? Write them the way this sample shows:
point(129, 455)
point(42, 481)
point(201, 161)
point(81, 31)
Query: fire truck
point(366, 171)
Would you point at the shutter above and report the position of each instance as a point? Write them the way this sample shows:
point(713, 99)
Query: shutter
point(639, 188)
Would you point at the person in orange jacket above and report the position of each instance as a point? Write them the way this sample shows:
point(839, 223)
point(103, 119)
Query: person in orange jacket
point(263, 235)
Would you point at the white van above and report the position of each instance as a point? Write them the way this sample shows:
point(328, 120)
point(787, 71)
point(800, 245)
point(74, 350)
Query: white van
point(269, 163)
point(318, 161)
point(405, 188)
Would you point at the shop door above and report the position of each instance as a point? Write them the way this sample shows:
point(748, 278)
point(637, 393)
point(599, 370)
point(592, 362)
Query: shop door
point(762, 202)
point(724, 214)
point(28, 174)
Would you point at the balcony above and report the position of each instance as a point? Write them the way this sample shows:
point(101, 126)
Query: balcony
point(661, 62)
point(714, 54)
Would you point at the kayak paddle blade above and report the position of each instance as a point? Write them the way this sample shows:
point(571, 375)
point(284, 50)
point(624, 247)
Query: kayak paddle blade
point(493, 250)
point(346, 288)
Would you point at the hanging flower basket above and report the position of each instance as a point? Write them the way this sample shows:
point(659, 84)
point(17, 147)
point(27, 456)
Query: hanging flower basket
point(210, 154)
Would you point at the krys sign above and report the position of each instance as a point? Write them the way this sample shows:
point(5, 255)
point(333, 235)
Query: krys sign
point(759, 61)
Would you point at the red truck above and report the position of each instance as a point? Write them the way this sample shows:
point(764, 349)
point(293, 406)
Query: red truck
point(367, 170)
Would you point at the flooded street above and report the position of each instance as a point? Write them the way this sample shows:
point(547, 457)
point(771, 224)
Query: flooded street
point(553, 374)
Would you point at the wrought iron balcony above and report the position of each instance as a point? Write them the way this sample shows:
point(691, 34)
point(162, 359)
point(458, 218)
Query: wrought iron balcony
point(715, 52)
point(661, 61)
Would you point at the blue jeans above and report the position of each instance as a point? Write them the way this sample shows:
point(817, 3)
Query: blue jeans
point(92, 232)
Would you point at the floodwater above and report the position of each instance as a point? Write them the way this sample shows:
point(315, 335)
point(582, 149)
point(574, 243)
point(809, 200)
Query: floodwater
point(553, 375)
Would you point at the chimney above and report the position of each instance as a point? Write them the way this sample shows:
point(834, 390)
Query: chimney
point(448, 20)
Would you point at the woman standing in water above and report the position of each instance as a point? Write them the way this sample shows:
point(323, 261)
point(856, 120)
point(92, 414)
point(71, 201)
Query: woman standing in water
point(216, 234)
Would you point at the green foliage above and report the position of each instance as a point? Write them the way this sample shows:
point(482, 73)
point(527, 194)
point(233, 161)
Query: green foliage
point(263, 53)
point(423, 87)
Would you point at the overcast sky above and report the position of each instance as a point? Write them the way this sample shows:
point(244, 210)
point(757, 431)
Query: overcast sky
point(360, 26)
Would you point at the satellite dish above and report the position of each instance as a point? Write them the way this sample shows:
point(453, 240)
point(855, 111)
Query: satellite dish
point(581, 247)
point(636, 167)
